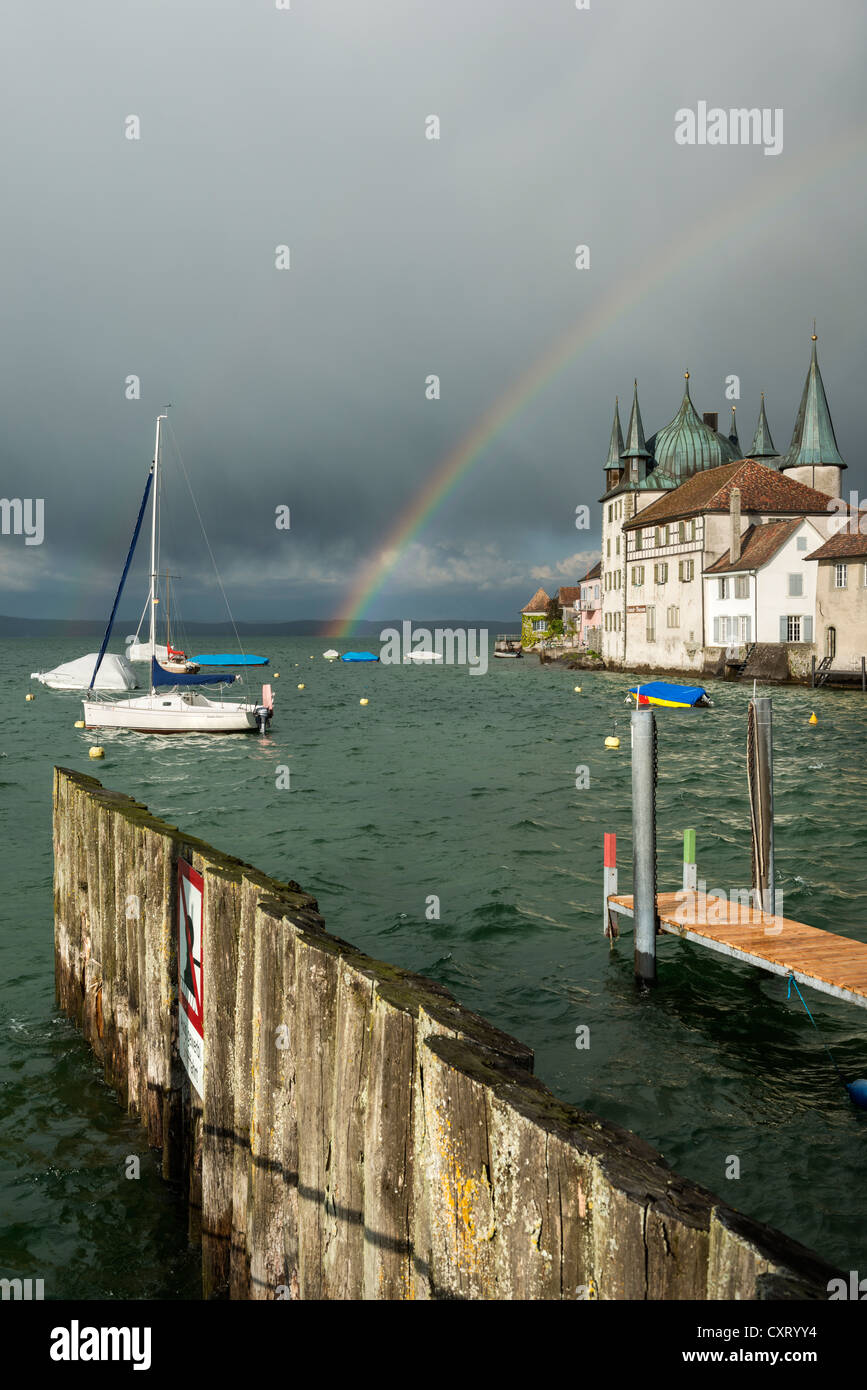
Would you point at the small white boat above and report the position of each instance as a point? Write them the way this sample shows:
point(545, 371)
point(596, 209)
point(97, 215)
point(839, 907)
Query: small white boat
point(425, 656)
point(331, 654)
point(175, 703)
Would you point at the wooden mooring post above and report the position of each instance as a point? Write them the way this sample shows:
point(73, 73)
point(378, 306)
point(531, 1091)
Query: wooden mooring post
point(760, 781)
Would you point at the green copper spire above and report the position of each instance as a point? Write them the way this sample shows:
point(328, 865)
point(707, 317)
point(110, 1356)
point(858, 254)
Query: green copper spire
point(813, 440)
point(763, 446)
point(615, 446)
point(636, 448)
point(733, 436)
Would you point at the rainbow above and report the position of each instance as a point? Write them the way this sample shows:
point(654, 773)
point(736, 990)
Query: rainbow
point(701, 237)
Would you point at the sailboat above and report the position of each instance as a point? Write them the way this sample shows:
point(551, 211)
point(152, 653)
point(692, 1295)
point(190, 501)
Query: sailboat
point(175, 703)
point(170, 658)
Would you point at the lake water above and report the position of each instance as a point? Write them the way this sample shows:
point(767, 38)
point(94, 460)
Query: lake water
point(462, 787)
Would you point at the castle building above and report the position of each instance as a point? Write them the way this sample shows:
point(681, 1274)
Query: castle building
point(685, 501)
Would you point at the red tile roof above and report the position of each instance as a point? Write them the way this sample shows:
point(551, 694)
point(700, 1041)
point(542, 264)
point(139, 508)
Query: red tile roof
point(595, 573)
point(763, 489)
point(568, 594)
point(759, 544)
point(538, 603)
point(846, 542)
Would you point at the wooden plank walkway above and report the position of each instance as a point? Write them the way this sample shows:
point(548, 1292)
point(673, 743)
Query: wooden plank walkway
point(836, 965)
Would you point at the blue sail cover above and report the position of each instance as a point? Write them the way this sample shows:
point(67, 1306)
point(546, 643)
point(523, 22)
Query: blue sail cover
point(133, 543)
point(227, 659)
point(161, 677)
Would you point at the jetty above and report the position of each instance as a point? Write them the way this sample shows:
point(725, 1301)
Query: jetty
point(745, 925)
point(342, 1128)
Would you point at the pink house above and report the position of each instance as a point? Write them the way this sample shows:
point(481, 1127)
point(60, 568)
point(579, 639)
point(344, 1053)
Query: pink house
point(589, 610)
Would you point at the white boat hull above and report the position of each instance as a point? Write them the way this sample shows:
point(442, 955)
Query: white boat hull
point(171, 713)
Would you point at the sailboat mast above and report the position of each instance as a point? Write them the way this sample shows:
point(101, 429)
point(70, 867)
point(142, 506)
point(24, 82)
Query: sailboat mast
point(153, 621)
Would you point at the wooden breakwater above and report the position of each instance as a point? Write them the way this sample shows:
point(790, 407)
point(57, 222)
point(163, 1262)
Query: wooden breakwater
point(360, 1134)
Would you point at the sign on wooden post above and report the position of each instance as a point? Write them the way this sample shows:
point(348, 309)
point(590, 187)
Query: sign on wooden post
point(191, 1010)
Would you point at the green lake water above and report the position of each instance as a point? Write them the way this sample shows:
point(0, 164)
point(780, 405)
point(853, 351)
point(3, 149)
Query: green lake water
point(462, 787)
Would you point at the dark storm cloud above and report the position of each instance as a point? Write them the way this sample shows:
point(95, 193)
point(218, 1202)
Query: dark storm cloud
point(306, 127)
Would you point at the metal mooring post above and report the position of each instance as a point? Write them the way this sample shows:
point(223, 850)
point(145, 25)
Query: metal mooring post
point(760, 781)
point(643, 723)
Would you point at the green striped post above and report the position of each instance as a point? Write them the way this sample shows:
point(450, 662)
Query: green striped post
point(689, 868)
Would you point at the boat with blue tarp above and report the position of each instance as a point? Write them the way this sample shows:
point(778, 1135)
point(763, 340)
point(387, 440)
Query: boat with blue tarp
point(668, 694)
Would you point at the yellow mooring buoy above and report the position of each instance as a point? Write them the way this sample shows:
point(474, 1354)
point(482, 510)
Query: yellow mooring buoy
point(79, 723)
point(612, 742)
point(577, 690)
point(97, 753)
point(301, 685)
point(813, 719)
point(29, 697)
point(363, 701)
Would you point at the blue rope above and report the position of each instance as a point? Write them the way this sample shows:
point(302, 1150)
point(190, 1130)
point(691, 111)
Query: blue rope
point(793, 981)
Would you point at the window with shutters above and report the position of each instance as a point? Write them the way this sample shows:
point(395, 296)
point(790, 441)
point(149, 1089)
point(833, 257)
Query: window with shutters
point(610, 511)
point(660, 573)
point(637, 576)
point(638, 540)
point(673, 616)
point(686, 570)
point(742, 586)
point(793, 629)
point(608, 546)
point(617, 546)
point(841, 576)
point(796, 585)
point(650, 625)
point(723, 589)
point(746, 627)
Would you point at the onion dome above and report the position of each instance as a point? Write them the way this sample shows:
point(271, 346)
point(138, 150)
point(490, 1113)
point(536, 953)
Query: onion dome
point(686, 446)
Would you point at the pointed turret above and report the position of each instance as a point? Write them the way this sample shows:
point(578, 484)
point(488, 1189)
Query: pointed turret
point(614, 462)
point(636, 453)
point(763, 445)
point(733, 436)
point(813, 456)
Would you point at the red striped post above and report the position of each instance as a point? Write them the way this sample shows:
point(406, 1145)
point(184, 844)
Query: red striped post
point(609, 860)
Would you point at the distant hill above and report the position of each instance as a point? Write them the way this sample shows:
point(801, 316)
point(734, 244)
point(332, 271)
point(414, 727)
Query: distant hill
point(302, 627)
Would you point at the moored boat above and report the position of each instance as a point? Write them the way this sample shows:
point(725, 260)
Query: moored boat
point(175, 703)
point(668, 694)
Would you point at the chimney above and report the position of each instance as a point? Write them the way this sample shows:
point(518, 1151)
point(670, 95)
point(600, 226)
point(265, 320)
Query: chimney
point(711, 418)
point(735, 526)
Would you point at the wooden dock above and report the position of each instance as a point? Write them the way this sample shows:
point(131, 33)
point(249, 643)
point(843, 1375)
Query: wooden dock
point(833, 964)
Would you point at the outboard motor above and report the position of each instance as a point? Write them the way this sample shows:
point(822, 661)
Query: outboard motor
point(265, 712)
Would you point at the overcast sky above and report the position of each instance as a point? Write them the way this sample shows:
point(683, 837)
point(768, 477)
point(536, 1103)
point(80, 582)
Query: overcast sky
point(306, 387)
